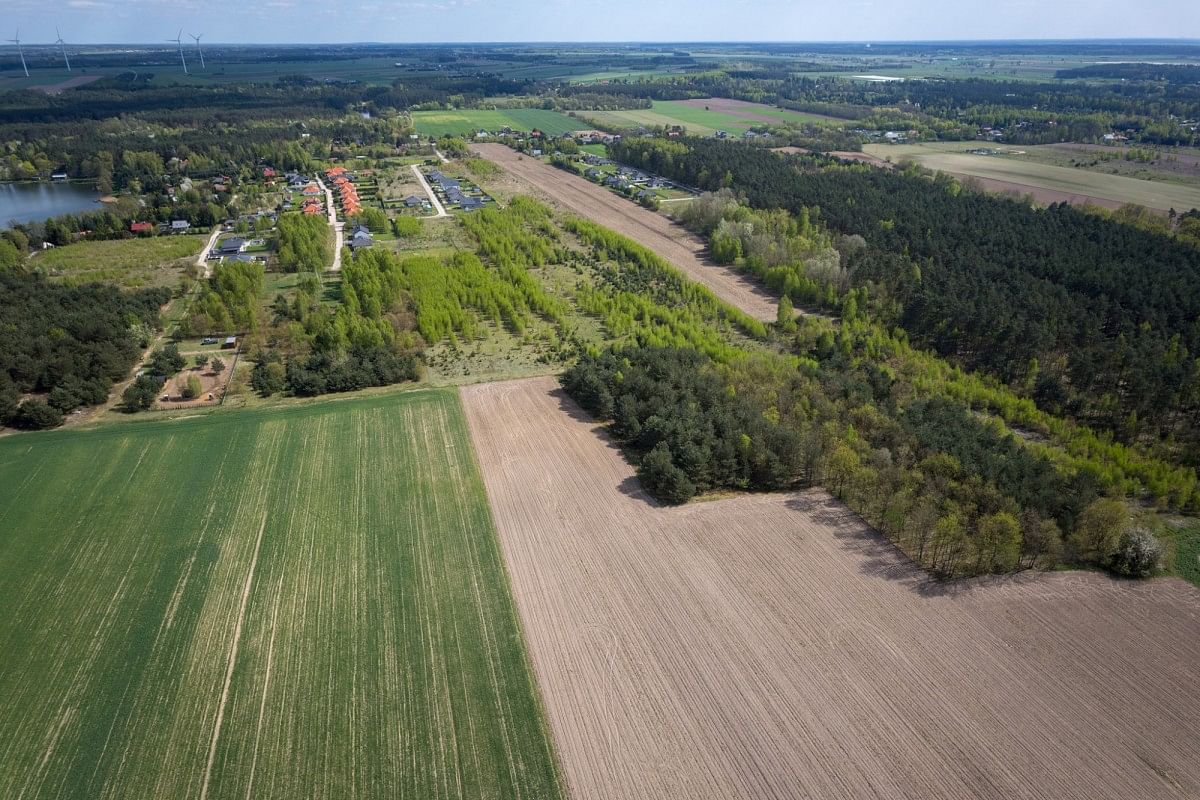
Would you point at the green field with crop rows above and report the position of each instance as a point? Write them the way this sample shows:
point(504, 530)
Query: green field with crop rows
point(286, 603)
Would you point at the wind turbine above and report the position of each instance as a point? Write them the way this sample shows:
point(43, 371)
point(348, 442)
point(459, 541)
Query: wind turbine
point(63, 45)
point(17, 42)
point(179, 41)
point(197, 36)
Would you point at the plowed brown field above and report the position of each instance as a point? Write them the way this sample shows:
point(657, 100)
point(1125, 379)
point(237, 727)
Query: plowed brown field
point(772, 646)
point(672, 242)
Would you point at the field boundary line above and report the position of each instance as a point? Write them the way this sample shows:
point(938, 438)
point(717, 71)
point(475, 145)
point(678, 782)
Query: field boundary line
point(237, 638)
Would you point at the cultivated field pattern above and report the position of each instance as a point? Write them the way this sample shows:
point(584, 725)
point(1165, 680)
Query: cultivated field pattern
point(685, 251)
point(771, 646)
point(1047, 183)
point(299, 603)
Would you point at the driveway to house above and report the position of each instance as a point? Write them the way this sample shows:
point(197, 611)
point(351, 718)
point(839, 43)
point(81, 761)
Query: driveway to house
point(441, 211)
point(202, 260)
point(333, 223)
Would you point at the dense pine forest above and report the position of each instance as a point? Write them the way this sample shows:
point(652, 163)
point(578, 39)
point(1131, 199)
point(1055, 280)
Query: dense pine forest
point(68, 343)
point(1092, 318)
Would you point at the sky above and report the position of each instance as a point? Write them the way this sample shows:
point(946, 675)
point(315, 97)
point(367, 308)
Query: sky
point(318, 21)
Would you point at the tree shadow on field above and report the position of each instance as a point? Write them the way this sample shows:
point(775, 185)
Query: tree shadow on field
point(631, 487)
point(874, 554)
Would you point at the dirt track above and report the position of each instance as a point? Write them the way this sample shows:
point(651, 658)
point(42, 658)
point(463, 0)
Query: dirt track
point(773, 647)
point(670, 241)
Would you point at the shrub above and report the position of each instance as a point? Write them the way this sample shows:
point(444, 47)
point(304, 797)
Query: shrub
point(1137, 555)
point(34, 415)
point(407, 226)
point(142, 393)
point(192, 387)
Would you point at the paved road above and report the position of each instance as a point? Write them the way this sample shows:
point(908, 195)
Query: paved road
point(441, 211)
point(338, 227)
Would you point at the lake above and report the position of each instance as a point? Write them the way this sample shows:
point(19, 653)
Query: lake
point(30, 202)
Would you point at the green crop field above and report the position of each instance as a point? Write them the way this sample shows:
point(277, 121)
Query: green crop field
point(301, 601)
point(666, 113)
point(1025, 172)
point(466, 121)
point(126, 262)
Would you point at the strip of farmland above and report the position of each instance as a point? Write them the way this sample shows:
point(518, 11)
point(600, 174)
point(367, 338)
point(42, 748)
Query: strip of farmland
point(773, 646)
point(296, 603)
point(685, 251)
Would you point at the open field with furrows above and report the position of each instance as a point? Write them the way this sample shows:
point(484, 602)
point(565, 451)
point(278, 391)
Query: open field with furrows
point(773, 646)
point(681, 248)
point(469, 121)
point(294, 602)
point(703, 117)
point(1046, 182)
point(131, 263)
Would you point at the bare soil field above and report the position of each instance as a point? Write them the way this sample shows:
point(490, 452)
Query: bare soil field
point(772, 646)
point(671, 241)
point(69, 83)
point(1040, 195)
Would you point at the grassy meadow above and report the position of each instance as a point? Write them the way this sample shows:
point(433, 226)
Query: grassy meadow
point(130, 263)
point(290, 602)
point(466, 121)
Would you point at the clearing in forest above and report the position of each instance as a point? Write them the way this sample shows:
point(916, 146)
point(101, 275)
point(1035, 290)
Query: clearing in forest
point(670, 241)
point(774, 646)
point(283, 603)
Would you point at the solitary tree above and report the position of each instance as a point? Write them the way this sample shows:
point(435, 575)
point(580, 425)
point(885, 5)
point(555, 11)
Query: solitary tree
point(1098, 530)
point(786, 315)
point(218, 366)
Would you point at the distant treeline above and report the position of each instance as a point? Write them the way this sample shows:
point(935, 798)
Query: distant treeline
point(1129, 71)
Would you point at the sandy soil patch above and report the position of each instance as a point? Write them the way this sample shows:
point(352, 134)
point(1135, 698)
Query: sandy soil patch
point(772, 646)
point(684, 250)
point(213, 385)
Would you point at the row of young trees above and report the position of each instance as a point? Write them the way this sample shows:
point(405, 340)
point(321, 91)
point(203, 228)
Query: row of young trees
point(304, 243)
